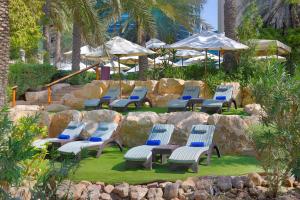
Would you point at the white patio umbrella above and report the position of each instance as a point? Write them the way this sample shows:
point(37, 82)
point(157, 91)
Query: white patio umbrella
point(197, 59)
point(184, 53)
point(130, 60)
point(68, 66)
point(155, 44)
point(114, 64)
point(84, 50)
point(262, 47)
point(281, 58)
point(134, 69)
point(121, 47)
point(207, 40)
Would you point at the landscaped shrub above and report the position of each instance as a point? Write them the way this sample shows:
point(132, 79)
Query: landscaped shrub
point(81, 79)
point(20, 162)
point(30, 76)
point(277, 140)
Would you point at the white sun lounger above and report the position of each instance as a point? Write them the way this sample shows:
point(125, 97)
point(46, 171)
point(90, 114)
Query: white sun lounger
point(143, 154)
point(73, 130)
point(189, 155)
point(105, 132)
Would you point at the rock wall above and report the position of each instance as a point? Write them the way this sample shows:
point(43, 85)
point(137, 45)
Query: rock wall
point(160, 92)
point(231, 130)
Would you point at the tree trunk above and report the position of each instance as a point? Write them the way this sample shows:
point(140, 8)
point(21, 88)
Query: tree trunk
point(76, 46)
point(58, 47)
point(4, 50)
point(143, 60)
point(46, 32)
point(230, 16)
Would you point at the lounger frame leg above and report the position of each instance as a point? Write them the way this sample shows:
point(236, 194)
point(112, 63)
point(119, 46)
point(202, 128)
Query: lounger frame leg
point(109, 142)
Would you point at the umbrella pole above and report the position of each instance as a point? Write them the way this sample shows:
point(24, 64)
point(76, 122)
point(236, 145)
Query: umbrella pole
point(219, 59)
point(120, 83)
point(205, 62)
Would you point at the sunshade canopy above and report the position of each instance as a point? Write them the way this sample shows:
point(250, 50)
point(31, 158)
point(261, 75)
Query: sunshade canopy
point(184, 53)
point(121, 47)
point(267, 47)
point(208, 40)
point(155, 44)
point(197, 59)
point(133, 60)
point(116, 65)
point(85, 50)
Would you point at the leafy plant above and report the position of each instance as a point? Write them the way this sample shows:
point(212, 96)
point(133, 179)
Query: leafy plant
point(27, 76)
point(277, 140)
point(21, 163)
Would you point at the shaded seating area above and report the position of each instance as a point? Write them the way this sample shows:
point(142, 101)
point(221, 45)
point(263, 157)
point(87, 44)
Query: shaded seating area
point(104, 135)
point(185, 101)
point(199, 142)
point(137, 97)
point(71, 133)
point(142, 155)
point(223, 96)
point(112, 94)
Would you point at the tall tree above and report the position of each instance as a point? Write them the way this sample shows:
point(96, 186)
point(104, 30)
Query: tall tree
point(46, 30)
point(230, 17)
point(4, 49)
point(86, 26)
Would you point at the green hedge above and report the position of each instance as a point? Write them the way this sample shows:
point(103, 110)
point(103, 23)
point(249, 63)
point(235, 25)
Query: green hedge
point(27, 76)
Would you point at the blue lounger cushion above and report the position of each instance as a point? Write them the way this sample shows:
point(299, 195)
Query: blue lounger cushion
point(63, 137)
point(106, 97)
point(153, 142)
point(188, 97)
point(95, 139)
point(102, 128)
point(159, 130)
point(195, 131)
point(197, 144)
point(221, 98)
point(134, 97)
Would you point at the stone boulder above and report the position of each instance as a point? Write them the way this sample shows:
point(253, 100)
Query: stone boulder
point(127, 86)
point(20, 111)
point(61, 120)
point(138, 192)
point(89, 91)
point(122, 190)
point(37, 97)
point(136, 126)
point(171, 191)
point(170, 86)
point(102, 115)
point(254, 109)
point(73, 102)
point(247, 96)
point(231, 133)
point(151, 85)
point(204, 92)
point(183, 122)
point(56, 108)
point(162, 100)
point(59, 86)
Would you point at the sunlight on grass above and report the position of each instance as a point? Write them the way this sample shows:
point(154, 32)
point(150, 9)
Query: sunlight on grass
point(110, 168)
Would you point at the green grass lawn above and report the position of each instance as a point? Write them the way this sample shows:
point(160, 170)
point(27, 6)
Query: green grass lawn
point(232, 111)
point(110, 168)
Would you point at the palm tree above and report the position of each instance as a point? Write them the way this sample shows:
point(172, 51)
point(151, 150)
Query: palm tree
point(230, 17)
point(86, 26)
point(140, 11)
point(46, 30)
point(279, 14)
point(4, 49)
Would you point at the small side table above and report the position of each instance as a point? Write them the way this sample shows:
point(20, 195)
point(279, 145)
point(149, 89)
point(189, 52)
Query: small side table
point(164, 151)
point(195, 101)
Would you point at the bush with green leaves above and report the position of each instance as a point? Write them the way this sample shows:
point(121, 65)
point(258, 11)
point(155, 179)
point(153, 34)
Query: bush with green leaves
point(21, 163)
point(277, 140)
point(30, 76)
